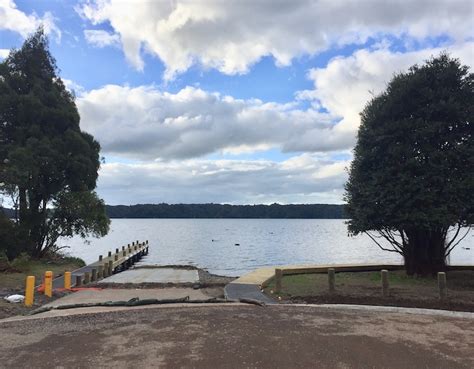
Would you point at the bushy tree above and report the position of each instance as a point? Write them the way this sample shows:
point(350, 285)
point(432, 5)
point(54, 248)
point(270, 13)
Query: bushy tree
point(412, 178)
point(48, 166)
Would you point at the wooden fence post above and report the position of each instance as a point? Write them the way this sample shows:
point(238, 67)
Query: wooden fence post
point(384, 274)
point(278, 280)
point(443, 292)
point(332, 279)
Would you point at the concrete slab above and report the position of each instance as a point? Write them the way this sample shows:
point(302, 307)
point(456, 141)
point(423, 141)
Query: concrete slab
point(236, 291)
point(152, 275)
point(258, 276)
point(125, 294)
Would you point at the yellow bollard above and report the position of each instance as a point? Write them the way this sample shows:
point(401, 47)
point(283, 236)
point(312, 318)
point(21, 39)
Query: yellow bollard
point(30, 290)
point(67, 280)
point(48, 283)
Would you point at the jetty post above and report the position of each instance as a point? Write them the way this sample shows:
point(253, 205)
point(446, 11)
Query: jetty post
point(93, 274)
point(110, 270)
point(87, 277)
point(78, 280)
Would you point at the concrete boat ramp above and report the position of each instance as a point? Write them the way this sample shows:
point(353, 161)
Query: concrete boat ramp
point(153, 275)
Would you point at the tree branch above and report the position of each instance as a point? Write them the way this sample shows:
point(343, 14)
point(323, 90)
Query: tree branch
point(448, 251)
point(380, 246)
point(456, 234)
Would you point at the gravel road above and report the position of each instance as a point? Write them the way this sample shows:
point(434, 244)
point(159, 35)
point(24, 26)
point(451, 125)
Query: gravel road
point(239, 336)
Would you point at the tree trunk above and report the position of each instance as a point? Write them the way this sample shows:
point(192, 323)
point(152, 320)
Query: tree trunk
point(25, 244)
point(36, 225)
point(424, 252)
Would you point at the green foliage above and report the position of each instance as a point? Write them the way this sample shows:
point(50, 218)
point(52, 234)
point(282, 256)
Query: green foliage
point(412, 172)
point(73, 260)
point(4, 262)
point(21, 262)
point(296, 211)
point(45, 159)
point(10, 244)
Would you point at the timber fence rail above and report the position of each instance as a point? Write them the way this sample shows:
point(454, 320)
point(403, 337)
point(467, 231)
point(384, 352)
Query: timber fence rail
point(332, 269)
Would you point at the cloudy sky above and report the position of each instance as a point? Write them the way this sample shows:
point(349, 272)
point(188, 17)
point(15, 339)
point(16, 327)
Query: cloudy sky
point(236, 101)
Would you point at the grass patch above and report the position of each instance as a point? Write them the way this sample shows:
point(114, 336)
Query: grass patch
point(307, 284)
point(26, 266)
point(365, 288)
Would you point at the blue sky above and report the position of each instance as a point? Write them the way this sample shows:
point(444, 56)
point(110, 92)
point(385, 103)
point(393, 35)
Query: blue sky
point(232, 102)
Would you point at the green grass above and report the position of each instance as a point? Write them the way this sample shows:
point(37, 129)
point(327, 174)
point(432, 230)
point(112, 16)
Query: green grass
point(37, 268)
point(353, 283)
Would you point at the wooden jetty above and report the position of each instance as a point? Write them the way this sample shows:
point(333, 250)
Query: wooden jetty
point(105, 266)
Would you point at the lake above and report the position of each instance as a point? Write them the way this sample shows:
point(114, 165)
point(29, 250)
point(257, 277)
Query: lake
point(235, 246)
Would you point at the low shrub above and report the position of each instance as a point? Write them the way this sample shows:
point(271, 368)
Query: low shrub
point(21, 262)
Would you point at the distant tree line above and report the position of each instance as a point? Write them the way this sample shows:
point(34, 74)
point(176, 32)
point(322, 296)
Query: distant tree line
point(306, 211)
point(298, 211)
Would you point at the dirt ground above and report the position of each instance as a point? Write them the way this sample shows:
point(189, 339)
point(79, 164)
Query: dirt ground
point(211, 285)
point(364, 288)
point(14, 283)
point(239, 337)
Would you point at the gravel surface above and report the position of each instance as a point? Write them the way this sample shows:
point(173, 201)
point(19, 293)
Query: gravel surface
point(239, 336)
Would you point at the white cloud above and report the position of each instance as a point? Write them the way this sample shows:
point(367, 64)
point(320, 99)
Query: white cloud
point(13, 19)
point(232, 35)
point(72, 86)
point(346, 84)
point(4, 53)
point(101, 38)
point(302, 179)
point(146, 123)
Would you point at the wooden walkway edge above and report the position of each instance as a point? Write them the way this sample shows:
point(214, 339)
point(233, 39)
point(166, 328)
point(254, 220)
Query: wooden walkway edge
point(121, 260)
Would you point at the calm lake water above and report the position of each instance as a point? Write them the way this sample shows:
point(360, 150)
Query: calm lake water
point(235, 246)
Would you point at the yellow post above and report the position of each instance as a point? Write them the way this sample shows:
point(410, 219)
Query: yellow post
point(30, 290)
point(48, 283)
point(67, 280)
